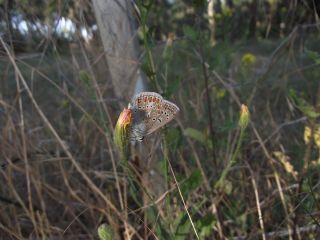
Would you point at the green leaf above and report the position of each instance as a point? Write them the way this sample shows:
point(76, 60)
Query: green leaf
point(52, 7)
point(199, 3)
point(105, 232)
point(309, 111)
point(183, 226)
point(85, 77)
point(162, 166)
point(173, 138)
point(219, 93)
point(226, 186)
point(161, 229)
point(306, 108)
point(199, 136)
point(228, 125)
point(315, 56)
point(191, 184)
point(65, 103)
point(205, 225)
point(190, 32)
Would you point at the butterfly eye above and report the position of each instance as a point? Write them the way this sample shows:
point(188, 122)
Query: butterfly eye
point(153, 119)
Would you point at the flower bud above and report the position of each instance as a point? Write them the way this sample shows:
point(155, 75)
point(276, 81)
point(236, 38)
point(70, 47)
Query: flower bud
point(122, 130)
point(244, 116)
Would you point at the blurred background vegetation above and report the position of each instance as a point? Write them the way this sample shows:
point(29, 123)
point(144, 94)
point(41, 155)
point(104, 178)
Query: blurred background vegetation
point(211, 177)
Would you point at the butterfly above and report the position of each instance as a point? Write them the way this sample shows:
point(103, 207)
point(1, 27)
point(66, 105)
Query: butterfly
point(149, 112)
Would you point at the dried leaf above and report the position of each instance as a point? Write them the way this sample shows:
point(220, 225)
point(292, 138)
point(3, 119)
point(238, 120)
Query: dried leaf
point(285, 160)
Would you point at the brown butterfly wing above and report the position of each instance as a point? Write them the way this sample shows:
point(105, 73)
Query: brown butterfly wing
point(165, 114)
point(146, 101)
point(144, 107)
point(150, 112)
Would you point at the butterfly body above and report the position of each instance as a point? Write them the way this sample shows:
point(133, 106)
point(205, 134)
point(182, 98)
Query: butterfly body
point(150, 112)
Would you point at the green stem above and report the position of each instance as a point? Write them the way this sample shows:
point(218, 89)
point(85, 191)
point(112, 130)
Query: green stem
point(150, 61)
point(232, 160)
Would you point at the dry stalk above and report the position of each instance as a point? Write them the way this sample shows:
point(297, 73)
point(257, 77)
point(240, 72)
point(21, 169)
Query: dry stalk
point(256, 194)
point(265, 151)
point(59, 140)
point(182, 199)
point(24, 154)
point(114, 167)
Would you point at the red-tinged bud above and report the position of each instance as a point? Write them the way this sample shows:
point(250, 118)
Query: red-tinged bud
point(122, 130)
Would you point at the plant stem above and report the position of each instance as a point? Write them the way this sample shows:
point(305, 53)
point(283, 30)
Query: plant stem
point(150, 61)
point(232, 160)
point(206, 80)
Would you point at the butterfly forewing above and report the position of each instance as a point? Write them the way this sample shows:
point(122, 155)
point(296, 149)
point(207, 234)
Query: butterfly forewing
point(150, 112)
point(146, 101)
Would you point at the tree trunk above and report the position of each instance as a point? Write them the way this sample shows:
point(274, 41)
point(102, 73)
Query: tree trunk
point(117, 31)
point(212, 23)
point(118, 34)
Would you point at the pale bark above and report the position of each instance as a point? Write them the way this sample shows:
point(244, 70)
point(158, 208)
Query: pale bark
point(212, 23)
point(118, 35)
point(116, 25)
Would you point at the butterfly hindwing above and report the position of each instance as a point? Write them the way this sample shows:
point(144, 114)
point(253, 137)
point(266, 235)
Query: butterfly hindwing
point(167, 112)
point(150, 112)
